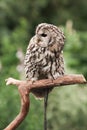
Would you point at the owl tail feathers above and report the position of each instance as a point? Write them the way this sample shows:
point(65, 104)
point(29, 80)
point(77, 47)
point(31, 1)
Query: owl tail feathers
point(40, 93)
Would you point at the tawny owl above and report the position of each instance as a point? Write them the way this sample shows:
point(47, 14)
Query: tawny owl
point(44, 56)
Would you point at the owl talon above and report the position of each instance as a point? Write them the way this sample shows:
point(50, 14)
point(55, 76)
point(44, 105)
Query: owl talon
point(32, 82)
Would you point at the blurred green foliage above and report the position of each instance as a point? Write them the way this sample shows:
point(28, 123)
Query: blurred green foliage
point(18, 19)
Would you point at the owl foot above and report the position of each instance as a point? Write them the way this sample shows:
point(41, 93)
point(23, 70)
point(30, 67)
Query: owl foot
point(31, 81)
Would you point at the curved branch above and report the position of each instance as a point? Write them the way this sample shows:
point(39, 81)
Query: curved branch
point(24, 95)
point(25, 87)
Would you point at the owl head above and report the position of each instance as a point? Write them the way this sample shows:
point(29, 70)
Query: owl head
point(49, 35)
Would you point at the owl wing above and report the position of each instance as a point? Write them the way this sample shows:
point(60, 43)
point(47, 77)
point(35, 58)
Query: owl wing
point(29, 58)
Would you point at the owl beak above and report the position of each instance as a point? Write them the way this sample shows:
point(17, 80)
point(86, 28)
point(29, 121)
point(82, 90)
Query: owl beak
point(38, 38)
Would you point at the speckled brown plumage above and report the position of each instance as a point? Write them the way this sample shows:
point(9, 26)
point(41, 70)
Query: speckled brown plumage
point(44, 56)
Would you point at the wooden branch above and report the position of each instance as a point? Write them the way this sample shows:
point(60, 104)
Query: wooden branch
point(25, 87)
point(24, 95)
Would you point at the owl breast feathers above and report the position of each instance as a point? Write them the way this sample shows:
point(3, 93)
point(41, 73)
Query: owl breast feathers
point(44, 56)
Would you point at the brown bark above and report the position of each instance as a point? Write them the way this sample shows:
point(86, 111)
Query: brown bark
point(24, 95)
point(25, 87)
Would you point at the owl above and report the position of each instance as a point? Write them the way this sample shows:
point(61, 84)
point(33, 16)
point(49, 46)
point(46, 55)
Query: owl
point(44, 55)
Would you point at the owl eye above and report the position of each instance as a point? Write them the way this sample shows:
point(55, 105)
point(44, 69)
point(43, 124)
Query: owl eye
point(43, 35)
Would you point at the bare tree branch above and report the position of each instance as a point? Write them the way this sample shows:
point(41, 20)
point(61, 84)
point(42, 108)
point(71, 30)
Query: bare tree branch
point(25, 102)
point(25, 87)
